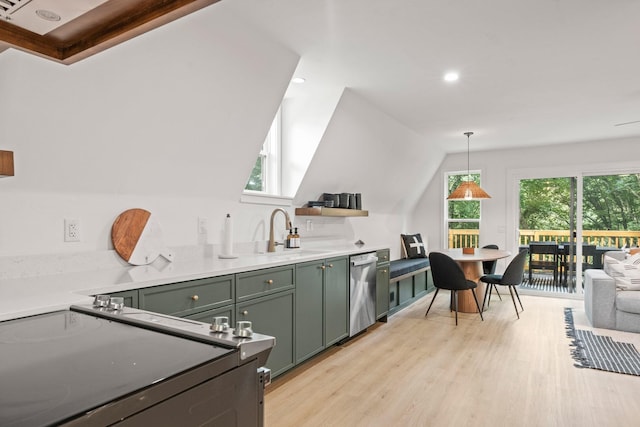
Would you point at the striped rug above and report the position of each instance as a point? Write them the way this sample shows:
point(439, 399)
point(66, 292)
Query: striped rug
point(601, 352)
point(544, 283)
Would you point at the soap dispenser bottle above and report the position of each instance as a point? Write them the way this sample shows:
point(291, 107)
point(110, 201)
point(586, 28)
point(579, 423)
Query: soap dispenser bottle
point(296, 238)
point(289, 241)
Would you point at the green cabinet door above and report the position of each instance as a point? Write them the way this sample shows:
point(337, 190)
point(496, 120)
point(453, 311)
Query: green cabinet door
point(309, 309)
point(273, 315)
point(336, 300)
point(382, 290)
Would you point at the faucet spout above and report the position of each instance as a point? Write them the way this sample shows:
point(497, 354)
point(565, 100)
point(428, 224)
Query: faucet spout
point(272, 241)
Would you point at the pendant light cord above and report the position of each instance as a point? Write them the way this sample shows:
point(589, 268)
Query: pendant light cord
point(468, 163)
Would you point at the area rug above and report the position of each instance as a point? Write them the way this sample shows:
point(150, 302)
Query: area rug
point(601, 352)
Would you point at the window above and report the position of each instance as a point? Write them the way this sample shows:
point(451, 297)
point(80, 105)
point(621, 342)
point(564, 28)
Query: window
point(463, 216)
point(265, 176)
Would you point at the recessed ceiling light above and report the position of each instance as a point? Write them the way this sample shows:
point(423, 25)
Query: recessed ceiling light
point(48, 15)
point(451, 77)
point(298, 80)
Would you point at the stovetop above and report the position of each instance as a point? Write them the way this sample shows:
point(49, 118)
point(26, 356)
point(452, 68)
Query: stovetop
point(58, 364)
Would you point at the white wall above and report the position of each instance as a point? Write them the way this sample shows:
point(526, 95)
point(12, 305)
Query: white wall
point(170, 121)
point(364, 150)
point(500, 171)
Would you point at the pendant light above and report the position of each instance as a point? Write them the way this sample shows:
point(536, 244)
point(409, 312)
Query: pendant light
point(468, 190)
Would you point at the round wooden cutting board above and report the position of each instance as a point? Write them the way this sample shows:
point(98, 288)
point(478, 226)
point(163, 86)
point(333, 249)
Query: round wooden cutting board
point(137, 237)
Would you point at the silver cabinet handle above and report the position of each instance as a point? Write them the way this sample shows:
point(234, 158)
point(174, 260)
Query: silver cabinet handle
point(195, 297)
point(245, 312)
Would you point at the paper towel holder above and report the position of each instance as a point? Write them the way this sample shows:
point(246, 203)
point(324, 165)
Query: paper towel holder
point(227, 242)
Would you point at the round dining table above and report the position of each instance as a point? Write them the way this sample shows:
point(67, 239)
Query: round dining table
point(472, 267)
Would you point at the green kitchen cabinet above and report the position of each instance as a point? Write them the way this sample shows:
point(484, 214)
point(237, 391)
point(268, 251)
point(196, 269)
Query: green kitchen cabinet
point(336, 300)
point(382, 284)
point(252, 284)
point(273, 315)
point(322, 305)
point(309, 309)
point(186, 298)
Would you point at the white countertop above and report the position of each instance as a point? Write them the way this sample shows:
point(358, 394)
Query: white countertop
point(21, 297)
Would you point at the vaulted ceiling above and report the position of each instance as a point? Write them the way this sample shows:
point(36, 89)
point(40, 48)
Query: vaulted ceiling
point(531, 73)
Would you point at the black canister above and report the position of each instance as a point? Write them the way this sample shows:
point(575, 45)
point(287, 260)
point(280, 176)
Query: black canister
point(352, 201)
point(359, 201)
point(344, 200)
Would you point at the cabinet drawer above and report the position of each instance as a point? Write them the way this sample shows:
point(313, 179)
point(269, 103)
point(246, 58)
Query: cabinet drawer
point(383, 255)
point(181, 299)
point(263, 282)
point(207, 316)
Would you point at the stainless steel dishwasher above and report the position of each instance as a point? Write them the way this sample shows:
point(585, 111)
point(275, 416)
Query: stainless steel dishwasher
point(362, 292)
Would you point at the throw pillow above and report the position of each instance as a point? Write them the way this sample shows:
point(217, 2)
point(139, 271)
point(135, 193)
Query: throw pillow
point(413, 245)
point(622, 269)
point(630, 281)
point(633, 259)
point(612, 266)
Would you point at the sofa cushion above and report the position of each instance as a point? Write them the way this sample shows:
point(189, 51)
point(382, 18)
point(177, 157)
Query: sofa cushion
point(400, 267)
point(413, 245)
point(615, 268)
point(628, 301)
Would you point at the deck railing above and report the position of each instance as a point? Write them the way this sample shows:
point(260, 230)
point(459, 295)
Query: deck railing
point(607, 238)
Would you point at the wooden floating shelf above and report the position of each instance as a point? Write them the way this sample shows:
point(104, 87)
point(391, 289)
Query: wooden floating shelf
point(321, 211)
point(6, 163)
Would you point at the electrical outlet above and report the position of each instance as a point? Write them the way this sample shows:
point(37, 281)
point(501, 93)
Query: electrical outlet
point(71, 230)
point(203, 225)
point(203, 230)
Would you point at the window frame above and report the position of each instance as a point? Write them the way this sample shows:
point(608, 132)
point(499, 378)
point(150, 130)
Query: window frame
point(271, 156)
point(447, 220)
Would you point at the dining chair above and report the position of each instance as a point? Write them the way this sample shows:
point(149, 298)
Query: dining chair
point(489, 267)
point(543, 256)
point(567, 262)
point(447, 274)
point(512, 277)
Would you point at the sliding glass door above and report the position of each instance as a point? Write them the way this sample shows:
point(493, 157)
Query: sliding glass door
point(585, 216)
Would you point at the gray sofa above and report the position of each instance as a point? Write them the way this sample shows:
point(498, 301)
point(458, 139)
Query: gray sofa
point(608, 307)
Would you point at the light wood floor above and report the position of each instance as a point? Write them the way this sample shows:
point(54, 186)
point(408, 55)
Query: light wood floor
point(417, 371)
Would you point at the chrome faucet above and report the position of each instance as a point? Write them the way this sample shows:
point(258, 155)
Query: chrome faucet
point(272, 240)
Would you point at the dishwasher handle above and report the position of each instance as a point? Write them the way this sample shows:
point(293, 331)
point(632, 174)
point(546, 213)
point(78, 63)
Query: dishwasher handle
point(371, 260)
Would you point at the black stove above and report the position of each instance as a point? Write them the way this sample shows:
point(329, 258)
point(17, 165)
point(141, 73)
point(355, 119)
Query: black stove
point(93, 366)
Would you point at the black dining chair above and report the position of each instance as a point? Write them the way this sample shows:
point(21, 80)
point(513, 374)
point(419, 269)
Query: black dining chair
point(568, 262)
point(511, 278)
point(543, 256)
point(489, 267)
point(447, 274)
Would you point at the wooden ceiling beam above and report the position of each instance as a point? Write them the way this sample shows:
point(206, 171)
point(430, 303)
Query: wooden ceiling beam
point(109, 24)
